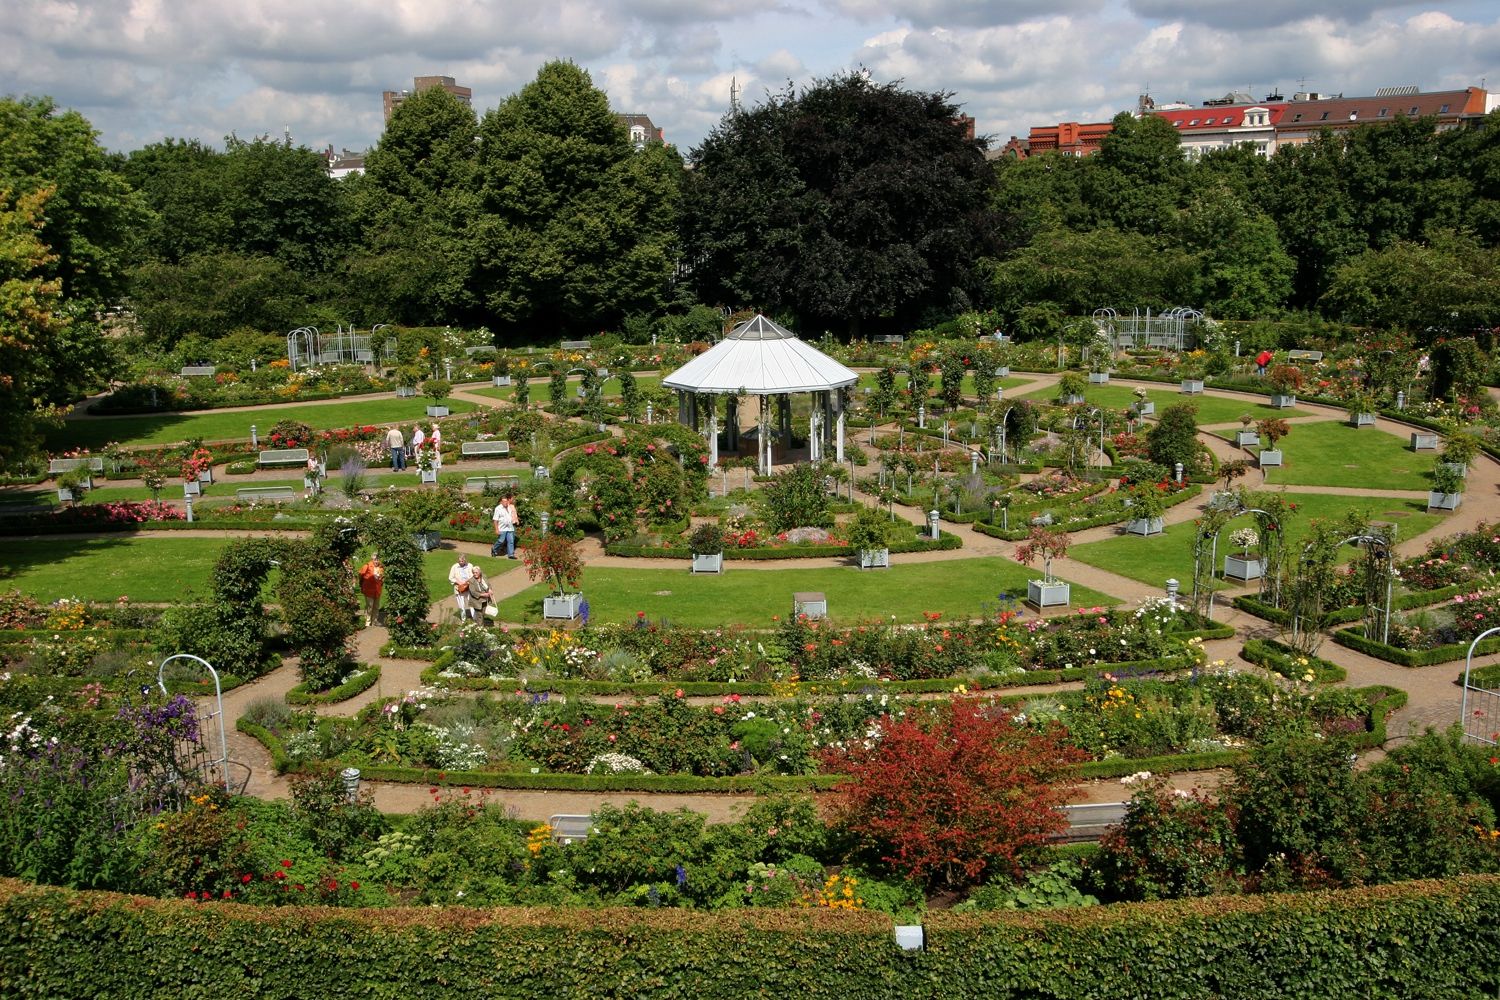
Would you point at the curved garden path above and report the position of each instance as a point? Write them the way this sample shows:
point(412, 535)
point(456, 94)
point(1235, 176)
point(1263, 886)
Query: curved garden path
point(1433, 695)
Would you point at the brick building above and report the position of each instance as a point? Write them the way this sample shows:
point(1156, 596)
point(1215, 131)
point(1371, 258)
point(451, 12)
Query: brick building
point(392, 99)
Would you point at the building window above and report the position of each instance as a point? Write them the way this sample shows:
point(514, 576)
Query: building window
point(1209, 121)
point(1383, 112)
point(1323, 117)
point(1443, 110)
point(1413, 109)
point(1297, 117)
point(1178, 123)
point(1193, 122)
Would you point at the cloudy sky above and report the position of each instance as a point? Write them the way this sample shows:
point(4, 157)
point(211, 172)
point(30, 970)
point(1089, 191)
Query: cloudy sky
point(144, 69)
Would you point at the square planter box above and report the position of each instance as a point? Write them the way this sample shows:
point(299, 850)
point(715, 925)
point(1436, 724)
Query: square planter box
point(406, 391)
point(1457, 468)
point(192, 488)
point(1072, 400)
point(1247, 439)
point(541, 472)
point(709, 564)
point(206, 476)
point(437, 411)
point(874, 558)
point(1144, 526)
point(812, 603)
point(64, 495)
point(427, 541)
point(1424, 441)
point(1270, 457)
point(1443, 501)
point(1364, 420)
point(564, 606)
point(428, 475)
point(1098, 378)
point(1244, 569)
point(310, 484)
point(1003, 371)
point(1047, 595)
point(500, 381)
point(1145, 408)
point(1283, 401)
point(1192, 386)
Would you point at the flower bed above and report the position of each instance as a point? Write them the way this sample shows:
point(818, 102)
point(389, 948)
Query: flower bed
point(1078, 520)
point(360, 680)
point(1291, 664)
point(1354, 639)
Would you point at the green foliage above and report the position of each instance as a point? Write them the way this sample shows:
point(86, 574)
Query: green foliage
point(869, 530)
point(706, 540)
point(1052, 888)
point(796, 499)
point(329, 818)
point(1168, 847)
point(1174, 439)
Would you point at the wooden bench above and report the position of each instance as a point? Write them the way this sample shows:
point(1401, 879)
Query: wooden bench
point(1304, 355)
point(491, 448)
point(478, 484)
point(574, 345)
point(569, 827)
point(284, 456)
point(266, 493)
point(191, 371)
point(57, 465)
point(1424, 441)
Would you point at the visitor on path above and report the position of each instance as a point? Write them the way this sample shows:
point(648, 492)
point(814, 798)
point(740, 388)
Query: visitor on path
point(397, 444)
point(436, 437)
point(460, 575)
point(418, 439)
point(371, 582)
point(1262, 361)
point(505, 528)
point(480, 595)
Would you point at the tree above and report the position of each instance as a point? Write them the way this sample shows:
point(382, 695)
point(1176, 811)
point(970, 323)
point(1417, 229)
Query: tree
point(1138, 177)
point(577, 228)
point(1449, 284)
point(1081, 271)
point(1241, 270)
point(850, 201)
point(1175, 438)
point(30, 324)
point(950, 796)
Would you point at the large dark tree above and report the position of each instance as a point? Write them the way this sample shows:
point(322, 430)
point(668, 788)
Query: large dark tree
point(848, 202)
point(577, 228)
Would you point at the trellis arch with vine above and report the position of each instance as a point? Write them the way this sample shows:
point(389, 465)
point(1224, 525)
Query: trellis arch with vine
point(1270, 522)
point(1314, 579)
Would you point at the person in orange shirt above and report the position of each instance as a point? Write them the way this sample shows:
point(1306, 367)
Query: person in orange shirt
point(371, 582)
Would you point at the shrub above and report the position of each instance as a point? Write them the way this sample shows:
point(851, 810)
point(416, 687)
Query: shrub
point(1175, 438)
point(796, 499)
point(706, 540)
point(1168, 846)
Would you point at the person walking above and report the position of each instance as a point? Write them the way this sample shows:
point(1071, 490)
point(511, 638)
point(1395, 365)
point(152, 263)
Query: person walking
point(505, 528)
point(436, 440)
point(480, 595)
point(418, 439)
point(397, 444)
point(460, 575)
point(371, 582)
point(1262, 360)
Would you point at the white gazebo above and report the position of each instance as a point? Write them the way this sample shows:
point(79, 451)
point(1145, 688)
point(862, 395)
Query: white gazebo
point(761, 358)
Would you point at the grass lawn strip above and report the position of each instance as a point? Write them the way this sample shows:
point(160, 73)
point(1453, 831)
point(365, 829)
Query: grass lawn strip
point(1333, 453)
point(1211, 409)
point(1170, 555)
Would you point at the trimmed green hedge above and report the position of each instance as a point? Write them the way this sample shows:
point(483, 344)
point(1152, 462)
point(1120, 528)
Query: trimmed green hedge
point(1354, 612)
point(1282, 659)
point(1352, 639)
point(944, 542)
point(362, 681)
point(1414, 939)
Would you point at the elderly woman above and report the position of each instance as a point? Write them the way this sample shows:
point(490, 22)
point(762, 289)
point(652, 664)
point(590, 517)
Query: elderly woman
point(480, 595)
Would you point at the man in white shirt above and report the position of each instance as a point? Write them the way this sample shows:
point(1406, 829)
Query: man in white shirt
point(459, 575)
point(397, 444)
point(505, 528)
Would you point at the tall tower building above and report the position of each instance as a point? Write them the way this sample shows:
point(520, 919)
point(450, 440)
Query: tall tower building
point(392, 98)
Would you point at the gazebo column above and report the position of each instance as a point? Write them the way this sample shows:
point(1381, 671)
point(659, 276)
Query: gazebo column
point(784, 415)
point(732, 419)
point(838, 437)
point(713, 434)
point(763, 440)
point(682, 408)
point(815, 431)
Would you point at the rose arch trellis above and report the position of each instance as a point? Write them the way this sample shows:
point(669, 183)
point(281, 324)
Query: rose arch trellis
point(1270, 522)
point(1377, 581)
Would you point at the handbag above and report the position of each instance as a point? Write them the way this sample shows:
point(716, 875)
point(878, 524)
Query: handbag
point(492, 611)
point(461, 587)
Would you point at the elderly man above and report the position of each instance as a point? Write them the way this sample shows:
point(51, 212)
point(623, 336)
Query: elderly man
point(397, 443)
point(461, 575)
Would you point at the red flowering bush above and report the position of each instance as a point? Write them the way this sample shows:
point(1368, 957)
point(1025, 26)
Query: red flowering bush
point(949, 796)
point(118, 512)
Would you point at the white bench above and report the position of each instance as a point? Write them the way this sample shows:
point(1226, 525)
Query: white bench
point(1424, 441)
point(190, 371)
point(491, 448)
point(574, 345)
point(569, 827)
point(266, 493)
point(888, 338)
point(1304, 355)
point(284, 456)
point(57, 465)
point(478, 484)
point(481, 349)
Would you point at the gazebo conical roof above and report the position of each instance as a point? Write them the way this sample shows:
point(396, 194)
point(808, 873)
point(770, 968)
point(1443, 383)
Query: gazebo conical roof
point(760, 358)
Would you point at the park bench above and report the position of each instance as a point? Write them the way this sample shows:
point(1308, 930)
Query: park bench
point(284, 456)
point(364, 357)
point(1304, 355)
point(190, 371)
point(480, 349)
point(266, 493)
point(1424, 441)
point(490, 448)
point(568, 828)
point(575, 345)
point(57, 465)
point(889, 338)
point(478, 484)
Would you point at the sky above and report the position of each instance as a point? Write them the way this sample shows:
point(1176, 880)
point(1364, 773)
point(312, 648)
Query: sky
point(143, 70)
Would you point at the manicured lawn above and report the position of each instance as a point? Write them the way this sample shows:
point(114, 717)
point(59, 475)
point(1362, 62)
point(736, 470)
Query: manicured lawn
point(1169, 555)
point(1211, 409)
point(541, 388)
point(1333, 453)
point(170, 428)
point(102, 569)
point(752, 596)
